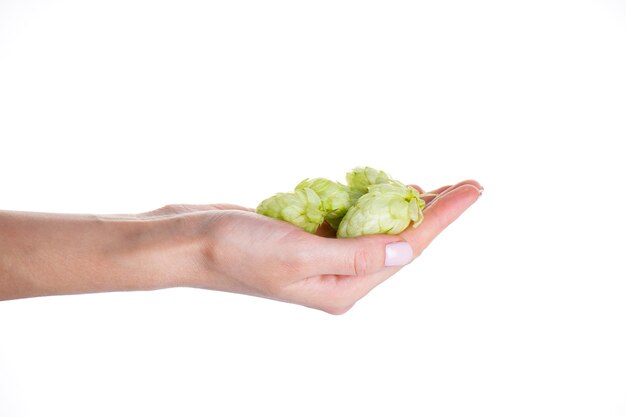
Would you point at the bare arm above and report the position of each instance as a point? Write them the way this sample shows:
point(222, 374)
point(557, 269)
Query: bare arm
point(50, 254)
point(217, 247)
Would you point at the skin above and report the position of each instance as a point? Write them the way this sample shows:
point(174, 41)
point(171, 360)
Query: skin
point(218, 247)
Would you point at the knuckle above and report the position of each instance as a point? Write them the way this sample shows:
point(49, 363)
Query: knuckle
point(297, 264)
point(297, 258)
point(361, 262)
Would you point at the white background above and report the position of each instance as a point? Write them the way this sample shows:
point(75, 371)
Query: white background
point(518, 309)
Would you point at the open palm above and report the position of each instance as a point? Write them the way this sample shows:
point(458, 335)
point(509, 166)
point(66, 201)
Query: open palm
point(252, 254)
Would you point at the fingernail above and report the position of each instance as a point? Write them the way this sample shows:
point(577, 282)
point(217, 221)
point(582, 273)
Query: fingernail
point(398, 253)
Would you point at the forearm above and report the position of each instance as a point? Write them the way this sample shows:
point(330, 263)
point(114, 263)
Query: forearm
point(49, 254)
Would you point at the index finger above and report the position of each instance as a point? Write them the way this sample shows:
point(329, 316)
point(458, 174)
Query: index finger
point(439, 214)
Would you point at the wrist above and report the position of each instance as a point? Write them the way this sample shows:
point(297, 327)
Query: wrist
point(158, 253)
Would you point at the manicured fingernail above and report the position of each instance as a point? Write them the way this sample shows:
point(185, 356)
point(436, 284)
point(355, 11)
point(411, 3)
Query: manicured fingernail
point(398, 253)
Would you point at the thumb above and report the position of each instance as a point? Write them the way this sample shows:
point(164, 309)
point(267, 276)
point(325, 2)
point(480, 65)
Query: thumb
point(360, 256)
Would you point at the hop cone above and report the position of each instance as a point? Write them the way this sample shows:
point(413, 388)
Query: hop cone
point(334, 196)
point(385, 208)
point(301, 208)
point(361, 178)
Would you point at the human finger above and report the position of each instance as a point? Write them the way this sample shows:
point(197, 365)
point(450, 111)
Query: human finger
point(446, 188)
point(444, 210)
point(358, 256)
point(417, 187)
point(438, 218)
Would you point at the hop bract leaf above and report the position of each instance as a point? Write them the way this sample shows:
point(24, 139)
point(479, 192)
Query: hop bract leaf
point(385, 208)
point(302, 208)
point(360, 178)
point(335, 198)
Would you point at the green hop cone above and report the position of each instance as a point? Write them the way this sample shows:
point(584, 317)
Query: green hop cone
point(302, 208)
point(385, 208)
point(360, 178)
point(334, 197)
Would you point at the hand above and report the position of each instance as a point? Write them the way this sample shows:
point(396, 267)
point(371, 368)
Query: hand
point(247, 253)
point(218, 247)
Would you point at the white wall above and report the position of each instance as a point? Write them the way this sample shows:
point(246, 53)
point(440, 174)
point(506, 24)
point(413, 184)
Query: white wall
point(517, 309)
